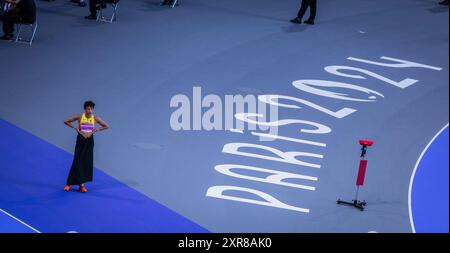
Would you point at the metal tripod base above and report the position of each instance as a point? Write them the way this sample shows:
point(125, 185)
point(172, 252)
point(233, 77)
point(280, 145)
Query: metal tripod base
point(356, 203)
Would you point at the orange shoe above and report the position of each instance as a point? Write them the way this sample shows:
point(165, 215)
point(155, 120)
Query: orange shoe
point(82, 188)
point(67, 188)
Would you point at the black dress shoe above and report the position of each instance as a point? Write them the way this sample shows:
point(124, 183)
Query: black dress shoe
point(309, 22)
point(445, 2)
point(296, 20)
point(91, 17)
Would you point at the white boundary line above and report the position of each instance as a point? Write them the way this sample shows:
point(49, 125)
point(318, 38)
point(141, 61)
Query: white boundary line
point(414, 174)
point(10, 215)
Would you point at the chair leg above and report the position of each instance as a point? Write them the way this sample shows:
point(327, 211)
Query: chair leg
point(174, 3)
point(34, 33)
point(99, 15)
point(113, 16)
point(19, 30)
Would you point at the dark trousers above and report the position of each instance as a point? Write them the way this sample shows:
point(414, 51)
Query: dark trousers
point(9, 19)
point(93, 6)
point(312, 4)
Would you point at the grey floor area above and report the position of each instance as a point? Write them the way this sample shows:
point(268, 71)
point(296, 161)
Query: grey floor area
point(133, 67)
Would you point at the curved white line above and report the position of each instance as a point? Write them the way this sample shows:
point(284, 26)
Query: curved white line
point(10, 215)
point(414, 174)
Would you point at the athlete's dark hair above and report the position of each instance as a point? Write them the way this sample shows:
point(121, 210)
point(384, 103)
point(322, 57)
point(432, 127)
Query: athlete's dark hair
point(89, 104)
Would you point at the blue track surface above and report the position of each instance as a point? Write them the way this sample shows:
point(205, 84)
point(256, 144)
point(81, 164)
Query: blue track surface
point(430, 188)
point(33, 173)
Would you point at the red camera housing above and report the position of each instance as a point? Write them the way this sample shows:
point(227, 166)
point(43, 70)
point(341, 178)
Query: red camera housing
point(366, 142)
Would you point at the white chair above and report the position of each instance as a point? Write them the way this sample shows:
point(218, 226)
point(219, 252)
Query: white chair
point(102, 18)
point(33, 28)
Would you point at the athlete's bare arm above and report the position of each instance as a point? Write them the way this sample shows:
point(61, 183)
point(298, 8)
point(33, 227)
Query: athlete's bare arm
point(69, 121)
point(102, 123)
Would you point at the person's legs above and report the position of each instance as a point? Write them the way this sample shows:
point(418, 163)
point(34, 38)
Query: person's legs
point(4, 24)
point(301, 12)
point(313, 9)
point(303, 8)
point(8, 25)
point(92, 9)
point(312, 14)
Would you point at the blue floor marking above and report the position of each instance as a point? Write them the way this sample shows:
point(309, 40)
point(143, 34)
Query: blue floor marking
point(429, 200)
point(32, 175)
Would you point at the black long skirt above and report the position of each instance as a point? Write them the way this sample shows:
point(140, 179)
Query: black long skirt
point(83, 161)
